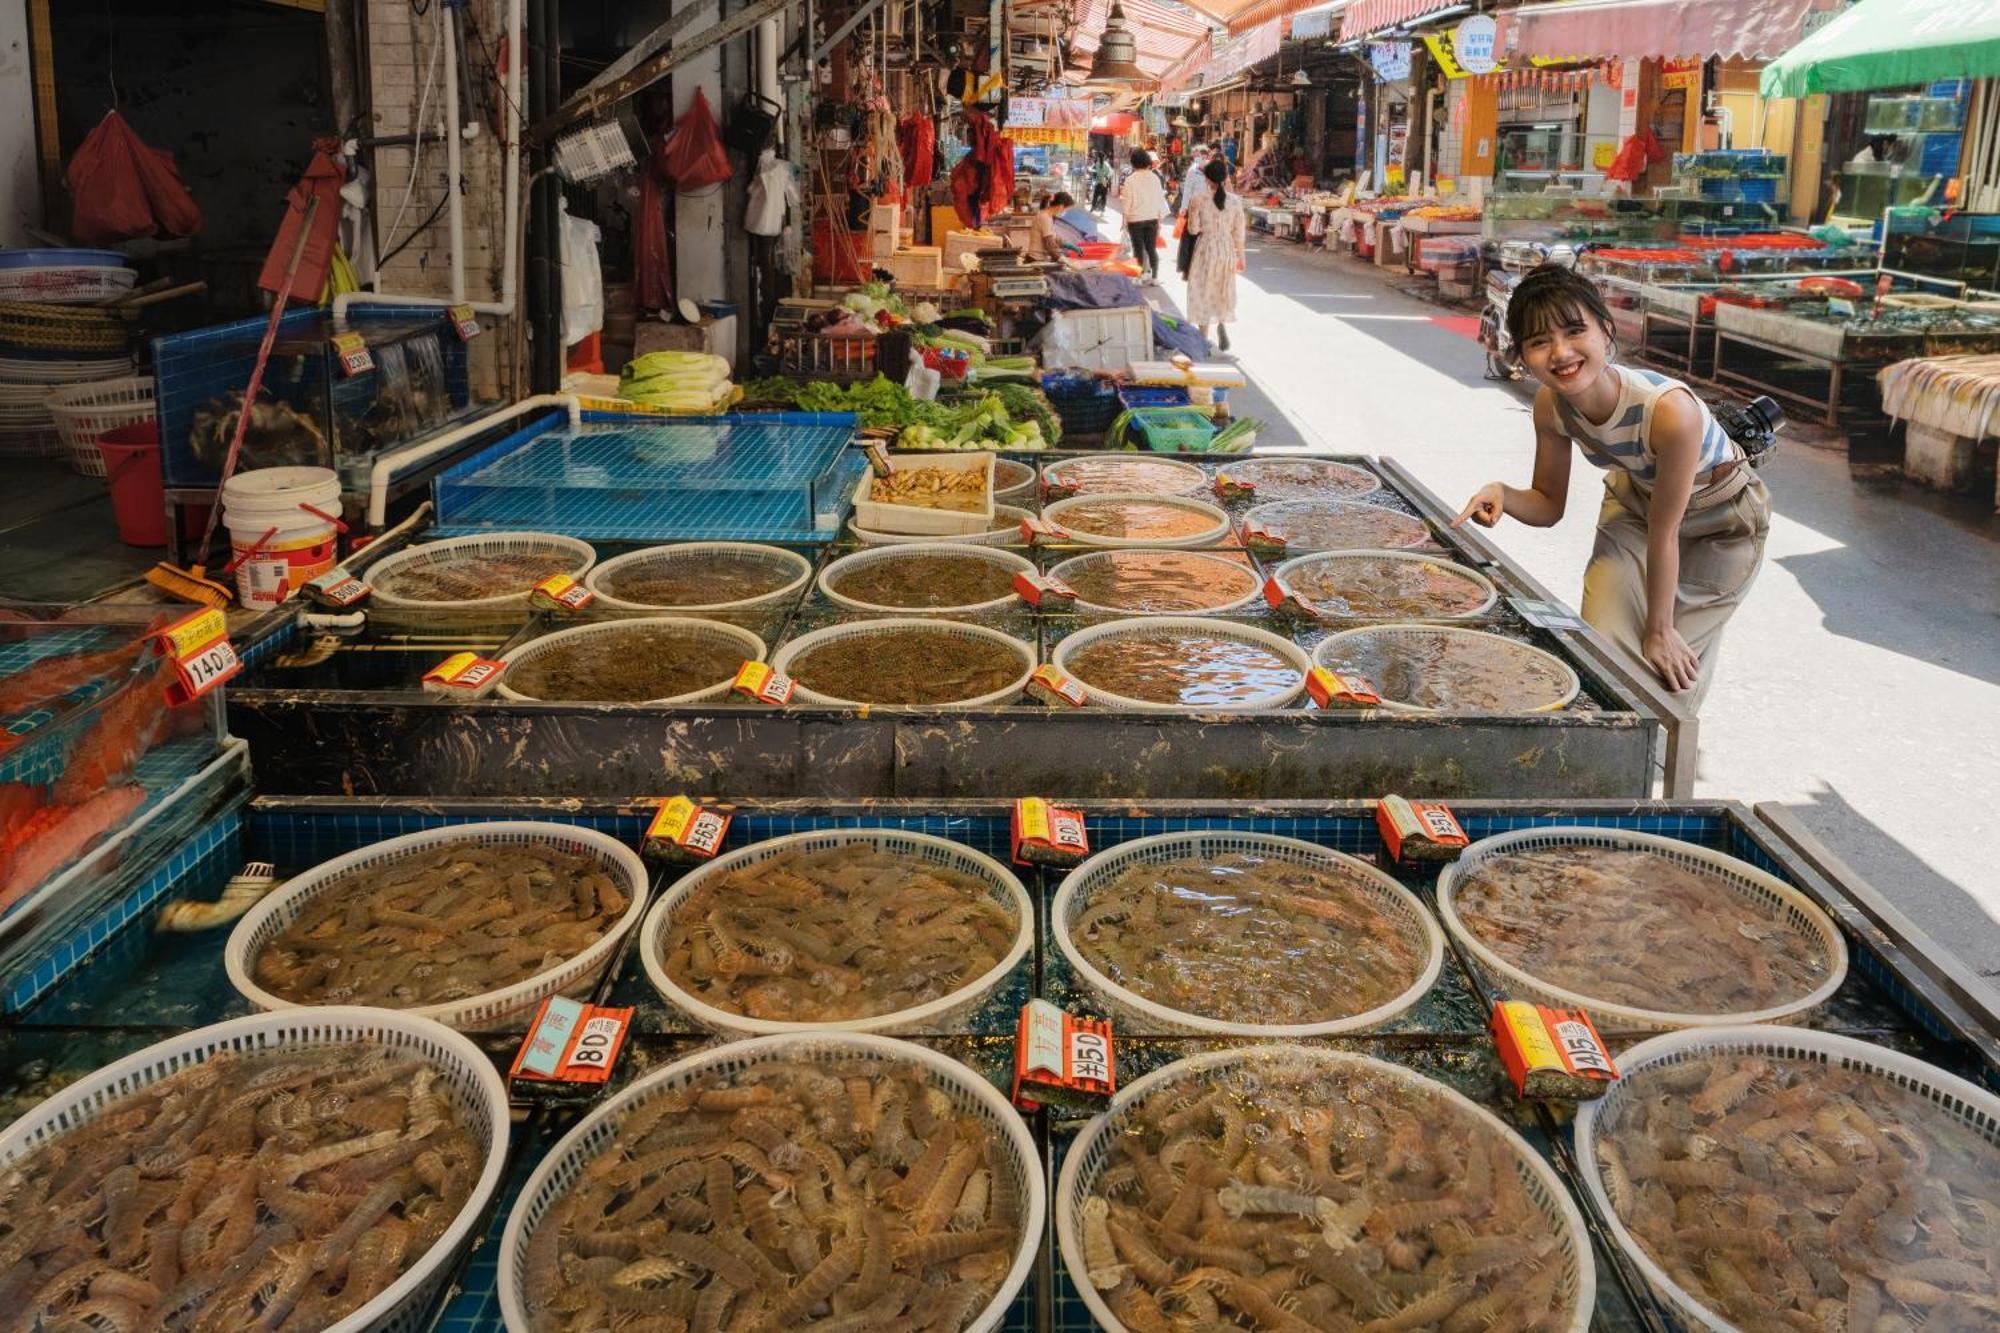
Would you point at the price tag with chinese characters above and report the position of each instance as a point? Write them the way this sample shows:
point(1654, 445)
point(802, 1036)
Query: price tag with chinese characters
point(1553, 1053)
point(464, 322)
point(1546, 615)
point(1282, 597)
point(1340, 689)
point(1229, 488)
point(1048, 835)
point(351, 351)
point(337, 589)
point(561, 593)
point(571, 1042)
point(1062, 1060)
point(1041, 532)
point(684, 831)
point(760, 683)
point(1055, 688)
point(463, 676)
point(1260, 541)
point(1043, 590)
point(1418, 830)
point(202, 655)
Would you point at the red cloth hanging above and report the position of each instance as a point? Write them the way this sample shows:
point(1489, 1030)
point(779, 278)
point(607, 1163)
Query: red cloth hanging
point(324, 179)
point(916, 142)
point(983, 183)
point(121, 188)
point(652, 278)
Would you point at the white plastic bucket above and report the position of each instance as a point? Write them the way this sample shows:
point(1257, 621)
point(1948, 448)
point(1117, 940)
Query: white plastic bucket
point(279, 542)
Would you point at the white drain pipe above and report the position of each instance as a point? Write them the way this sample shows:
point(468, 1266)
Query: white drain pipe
point(402, 460)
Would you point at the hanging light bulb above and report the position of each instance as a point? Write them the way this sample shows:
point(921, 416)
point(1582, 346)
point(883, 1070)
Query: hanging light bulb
point(1116, 60)
point(1301, 79)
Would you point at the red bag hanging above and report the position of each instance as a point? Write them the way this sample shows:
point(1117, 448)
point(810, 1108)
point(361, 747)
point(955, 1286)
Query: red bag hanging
point(323, 178)
point(121, 188)
point(692, 156)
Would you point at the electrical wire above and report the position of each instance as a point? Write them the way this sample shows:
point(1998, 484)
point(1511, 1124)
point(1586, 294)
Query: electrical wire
point(417, 148)
point(415, 231)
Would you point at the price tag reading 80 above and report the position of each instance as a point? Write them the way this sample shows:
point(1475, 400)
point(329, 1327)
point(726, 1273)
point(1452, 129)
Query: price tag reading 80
point(596, 1046)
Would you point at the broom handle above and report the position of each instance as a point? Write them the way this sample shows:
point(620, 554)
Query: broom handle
point(257, 372)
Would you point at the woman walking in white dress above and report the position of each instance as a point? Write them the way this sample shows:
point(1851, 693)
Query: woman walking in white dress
point(1216, 218)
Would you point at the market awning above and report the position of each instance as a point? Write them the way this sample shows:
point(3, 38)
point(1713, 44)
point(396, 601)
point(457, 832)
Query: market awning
point(1368, 16)
point(1642, 29)
point(1230, 57)
point(1165, 33)
point(1240, 16)
point(1886, 43)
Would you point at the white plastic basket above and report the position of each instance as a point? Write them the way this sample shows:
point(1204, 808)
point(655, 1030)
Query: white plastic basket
point(1014, 480)
point(65, 284)
point(1006, 531)
point(1135, 1013)
point(1221, 567)
point(1954, 1096)
point(886, 516)
point(1115, 474)
point(465, 1075)
point(567, 555)
point(1337, 559)
point(1091, 1153)
point(1799, 913)
point(860, 560)
point(1328, 653)
point(1216, 531)
point(1277, 479)
point(969, 1094)
point(795, 569)
point(940, 1015)
point(1158, 626)
point(695, 629)
point(782, 660)
point(1394, 529)
point(85, 411)
point(264, 921)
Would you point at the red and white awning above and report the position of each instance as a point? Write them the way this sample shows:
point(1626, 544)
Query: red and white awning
point(1367, 16)
point(1657, 29)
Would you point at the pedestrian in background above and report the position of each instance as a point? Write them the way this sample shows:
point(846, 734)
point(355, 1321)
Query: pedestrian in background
point(1193, 182)
point(1100, 184)
point(1216, 219)
point(1142, 201)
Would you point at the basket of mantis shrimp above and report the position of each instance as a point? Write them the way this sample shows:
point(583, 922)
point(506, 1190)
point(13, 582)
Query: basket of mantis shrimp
point(842, 1178)
point(472, 925)
point(1768, 1177)
point(1399, 1204)
point(314, 1169)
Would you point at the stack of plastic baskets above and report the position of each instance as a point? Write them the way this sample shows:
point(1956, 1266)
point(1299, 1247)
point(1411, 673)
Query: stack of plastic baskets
point(1086, 404)
point(83, 412)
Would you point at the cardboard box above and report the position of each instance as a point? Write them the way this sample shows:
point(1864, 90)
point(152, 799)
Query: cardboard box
point(885, 229)
point(710, 335)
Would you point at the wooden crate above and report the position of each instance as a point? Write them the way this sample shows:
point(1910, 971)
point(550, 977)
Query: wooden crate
point(917, 266)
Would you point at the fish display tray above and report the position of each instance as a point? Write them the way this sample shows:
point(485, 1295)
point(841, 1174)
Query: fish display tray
point(748, 646)
point(772, 477)
point(1902, 991)
point(794, 568)
point(872, 556)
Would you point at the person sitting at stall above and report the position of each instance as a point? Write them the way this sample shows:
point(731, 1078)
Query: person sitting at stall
point(1049, 240)
point(1680, 535)
point(1879, 148)
point(1142, 202)
point(1216, 221)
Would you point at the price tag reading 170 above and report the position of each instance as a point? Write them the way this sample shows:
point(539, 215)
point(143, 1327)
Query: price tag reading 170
point(202, 655)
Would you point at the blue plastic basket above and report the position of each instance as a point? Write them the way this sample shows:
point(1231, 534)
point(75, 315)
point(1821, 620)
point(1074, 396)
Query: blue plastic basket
point(1085, 403)
point(1153, 395)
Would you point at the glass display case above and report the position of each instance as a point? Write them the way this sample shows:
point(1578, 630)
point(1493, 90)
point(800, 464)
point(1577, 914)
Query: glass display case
point(1962, 247)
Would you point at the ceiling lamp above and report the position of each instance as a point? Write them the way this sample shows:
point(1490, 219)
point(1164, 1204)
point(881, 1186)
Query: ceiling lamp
point(1302, 80)
point(1116, 60)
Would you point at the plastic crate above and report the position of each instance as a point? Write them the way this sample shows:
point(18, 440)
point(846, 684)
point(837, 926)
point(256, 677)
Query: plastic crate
point(1084, 403)
point(1152, 395)
point(1171, 430)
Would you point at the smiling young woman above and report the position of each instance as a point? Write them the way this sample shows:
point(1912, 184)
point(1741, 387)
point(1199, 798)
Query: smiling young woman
point(1681, 532)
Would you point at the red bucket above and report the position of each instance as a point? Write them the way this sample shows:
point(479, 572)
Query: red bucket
point(138, 496)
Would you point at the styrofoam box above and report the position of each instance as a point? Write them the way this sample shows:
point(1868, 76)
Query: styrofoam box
point(1099, 339)
point(880, 517)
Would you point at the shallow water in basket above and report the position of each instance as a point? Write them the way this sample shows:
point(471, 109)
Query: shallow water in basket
point(1192, 669)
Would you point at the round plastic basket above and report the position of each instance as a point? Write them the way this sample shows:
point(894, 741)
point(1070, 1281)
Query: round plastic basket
point(1134, 1012)
point(16, 371)
point(785, 656)
point(1331, 648)
point(693, 628)
point(269, 917)
point(829, 578)
point(1233, 583)
point(1977, 1107)
point(1159, 626)
point(1330, 564)
point(1006, 531)
point(86, 411)
point(969, 1094)
point(1114, 474)
point(566, 555)
point(939, 1015)
point(1013, 480)
point(789, 567)
point(1336, 525)
point(65, 284)
point(1798, 912)
point(48, 326)
point(1091, 1153)
point(1275, 479)
point(466, 1076)
point(1215, 527)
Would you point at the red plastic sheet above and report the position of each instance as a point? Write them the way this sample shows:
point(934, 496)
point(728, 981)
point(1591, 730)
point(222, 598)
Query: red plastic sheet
point(692, 155)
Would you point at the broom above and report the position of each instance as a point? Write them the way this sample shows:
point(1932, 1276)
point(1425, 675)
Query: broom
point(193, 585)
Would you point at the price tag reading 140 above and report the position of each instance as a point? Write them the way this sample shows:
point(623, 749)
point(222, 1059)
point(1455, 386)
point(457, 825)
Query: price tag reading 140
point(202, 655)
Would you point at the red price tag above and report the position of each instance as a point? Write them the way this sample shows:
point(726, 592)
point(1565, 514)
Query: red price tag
point(1418, 830)
point(1062, 1060)
point(1229, 488)
point(351, 351)
point(463, 322)
point(571, 1042)
point(1338, 689)
point(560, 592)
point(1055, 688)
point(760, 684)
point(1262, 541)
point(463, 676)
point(684, 830)
point(337, 588)
point(1043, 590)
point(202, 655)
point(1046, 834)
point(1039, 531)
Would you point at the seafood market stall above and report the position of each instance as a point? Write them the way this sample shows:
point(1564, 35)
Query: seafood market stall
point(1847, 975)
point(898, 693)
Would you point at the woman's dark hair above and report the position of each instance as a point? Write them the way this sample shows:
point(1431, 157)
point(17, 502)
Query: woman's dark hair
point(1060, 199)
point(1141, 159)
point(1217, 173)
point(1550, 297)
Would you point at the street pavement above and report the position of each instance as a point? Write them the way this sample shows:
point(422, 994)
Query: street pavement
point(1860, 681)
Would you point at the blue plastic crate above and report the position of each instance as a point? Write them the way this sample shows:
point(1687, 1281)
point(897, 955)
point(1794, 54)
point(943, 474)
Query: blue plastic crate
point(1153, 395)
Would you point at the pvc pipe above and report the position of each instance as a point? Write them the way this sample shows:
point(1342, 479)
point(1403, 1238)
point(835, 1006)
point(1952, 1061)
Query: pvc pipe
point(767, 59)
point(454, 138)
point(388, 465)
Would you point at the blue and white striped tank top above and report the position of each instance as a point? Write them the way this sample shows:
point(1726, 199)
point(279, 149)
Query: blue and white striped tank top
point(1624, 440)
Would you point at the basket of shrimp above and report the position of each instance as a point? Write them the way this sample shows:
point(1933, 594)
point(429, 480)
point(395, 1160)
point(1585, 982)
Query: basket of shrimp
point(860, 929)
point(852, 1180)
point(1218, 933)
point(1647, 933)
point(472, 926)
point(1387, 1199)
point(1772, 1177)
point(313, 1169)
point(481, 574)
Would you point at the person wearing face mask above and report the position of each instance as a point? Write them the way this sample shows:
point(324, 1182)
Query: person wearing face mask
point(1681, 532)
